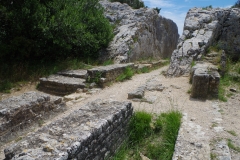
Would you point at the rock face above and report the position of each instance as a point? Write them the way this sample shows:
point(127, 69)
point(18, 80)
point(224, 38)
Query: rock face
point(139, 34)
point(203, 28)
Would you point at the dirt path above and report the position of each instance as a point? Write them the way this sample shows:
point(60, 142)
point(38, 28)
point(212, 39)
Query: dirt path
point(205, 123)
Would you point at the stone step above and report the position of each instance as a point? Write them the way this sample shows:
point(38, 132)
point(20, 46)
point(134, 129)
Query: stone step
point(60, 85)
point(17, 112)
point(106, 74)
point(80, 73)
point(94, 131)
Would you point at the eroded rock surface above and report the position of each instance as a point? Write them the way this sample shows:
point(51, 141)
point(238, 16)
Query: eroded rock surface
point(202, 29)
point(139, 33)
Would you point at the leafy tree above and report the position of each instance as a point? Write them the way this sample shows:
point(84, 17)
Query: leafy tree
point(52, 29)
point(157, 9)
point(237, 4)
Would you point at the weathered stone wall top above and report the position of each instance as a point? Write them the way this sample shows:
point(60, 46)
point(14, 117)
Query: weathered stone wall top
point(139, 33)
point(203, 28)
point(94, 131)
point(17, 111)
point(105, 74)
point(110, 67)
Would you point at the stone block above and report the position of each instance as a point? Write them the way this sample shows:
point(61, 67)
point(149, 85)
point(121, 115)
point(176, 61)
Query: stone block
point(106, 74)
point(80, 73)
point(60, 85)
point(200, 83)
point(138, 93)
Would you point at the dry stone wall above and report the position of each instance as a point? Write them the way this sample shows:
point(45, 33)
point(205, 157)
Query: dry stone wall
point(139, 33)
point(203, 28)
point(93, 132)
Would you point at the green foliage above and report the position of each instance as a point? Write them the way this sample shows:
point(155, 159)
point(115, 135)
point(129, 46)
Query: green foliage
point(127, 74)
point(5, 86)
point(231, 77)
point(232, 133)
point(207, 7)
point(108, 62)
point(236, 5)
point(143, 70)
point(157, 9)
point(154, 137)
point(136, 4)
point(232, 146)
point(193, 63)
point(140, 127)
point(33, 72)
point(34, 33)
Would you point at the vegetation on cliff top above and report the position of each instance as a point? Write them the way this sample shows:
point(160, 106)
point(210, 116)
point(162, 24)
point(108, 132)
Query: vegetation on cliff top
point(37, 34)
point(136, 4)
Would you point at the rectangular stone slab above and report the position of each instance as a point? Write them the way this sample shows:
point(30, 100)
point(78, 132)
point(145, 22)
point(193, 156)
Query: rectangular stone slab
point(60, 85)
point(80, 73)
point(200, 83)
point(109, 73)
point(93, 131)
point(22, 109)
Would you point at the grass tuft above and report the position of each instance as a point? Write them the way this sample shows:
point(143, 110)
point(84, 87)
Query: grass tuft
point(232, 146)
point(232, 133)
point(155, 137)
point(127, 74)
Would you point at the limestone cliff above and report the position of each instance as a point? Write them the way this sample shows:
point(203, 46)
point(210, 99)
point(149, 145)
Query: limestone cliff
point(203, 28)
point(139, 33)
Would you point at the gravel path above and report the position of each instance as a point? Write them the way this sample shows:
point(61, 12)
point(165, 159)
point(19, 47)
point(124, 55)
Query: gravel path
point(204, 124)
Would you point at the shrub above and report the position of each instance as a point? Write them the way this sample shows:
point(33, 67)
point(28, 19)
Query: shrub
point(35, 32)
point(236, 5)
point(136, 4)
point(127, 74)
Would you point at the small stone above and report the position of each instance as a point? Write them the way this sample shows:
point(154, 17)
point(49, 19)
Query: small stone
point(85, 90)
point(92, 85)
point(233, 90)
point(48, 148)
point(79, 90)
point(192, 119)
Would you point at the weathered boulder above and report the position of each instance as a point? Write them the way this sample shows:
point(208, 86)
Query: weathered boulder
point(203, 28)
point(139, 33)
point(138, 93)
